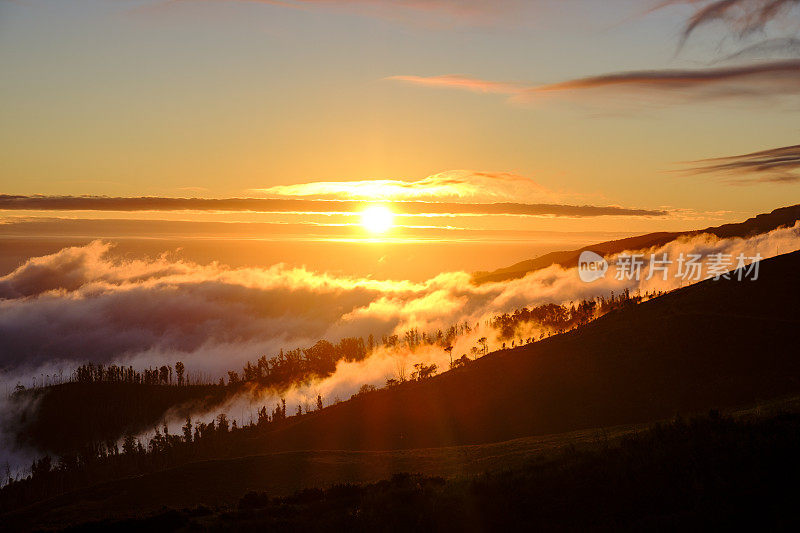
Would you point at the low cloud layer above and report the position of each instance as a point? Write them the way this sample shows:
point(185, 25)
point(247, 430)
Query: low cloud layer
point(292, 205)
point(81, 304)
point(777, 166)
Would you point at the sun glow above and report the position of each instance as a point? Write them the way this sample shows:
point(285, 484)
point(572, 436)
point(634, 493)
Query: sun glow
point(377, 219)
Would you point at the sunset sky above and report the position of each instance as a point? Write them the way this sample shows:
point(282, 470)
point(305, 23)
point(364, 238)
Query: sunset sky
point(554, 105)
point(214, 182)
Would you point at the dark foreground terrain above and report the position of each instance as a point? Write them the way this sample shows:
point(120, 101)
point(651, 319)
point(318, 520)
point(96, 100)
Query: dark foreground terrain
point(715, 345)
point(712, 472)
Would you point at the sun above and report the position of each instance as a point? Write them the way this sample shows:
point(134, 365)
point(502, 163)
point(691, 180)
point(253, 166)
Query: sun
point(377, 219)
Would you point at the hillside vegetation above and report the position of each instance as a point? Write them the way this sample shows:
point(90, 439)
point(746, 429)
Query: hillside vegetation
point(714, 344)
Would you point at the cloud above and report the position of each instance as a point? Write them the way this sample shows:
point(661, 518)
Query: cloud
point(84, 304)
point(772, 24)
point(466, 83)
point(678, 78)
point(293, 205)
point(777, 166)
point(744, 17)
point(454, 185)
point(81, 304)
point(789, 46)
point(457, 81)
point(654, 86)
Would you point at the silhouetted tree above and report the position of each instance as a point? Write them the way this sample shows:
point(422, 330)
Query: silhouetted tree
point(482, 342)
point(423, 371)
point(179, 368)
point(222, 423)
point(187, 429)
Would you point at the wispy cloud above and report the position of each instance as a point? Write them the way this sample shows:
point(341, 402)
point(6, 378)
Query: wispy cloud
point(770, 26)
point(745, 17)
point(659, 86)
point(465, 83)
point(457, 81)
point(787, 46)
point(454, 185)
point(777, 166)
point(774, 72)
point(292, 205)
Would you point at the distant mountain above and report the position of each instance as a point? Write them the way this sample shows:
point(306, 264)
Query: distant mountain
point(714, 344)
point(784, 216)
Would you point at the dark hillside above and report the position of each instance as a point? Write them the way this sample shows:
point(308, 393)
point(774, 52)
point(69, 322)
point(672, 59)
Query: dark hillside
point(717, 344)
point(714, 344)
point(711, 473)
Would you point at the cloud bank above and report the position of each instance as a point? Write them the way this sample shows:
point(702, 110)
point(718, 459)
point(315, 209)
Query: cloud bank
point(80, 305)
point(293, 205)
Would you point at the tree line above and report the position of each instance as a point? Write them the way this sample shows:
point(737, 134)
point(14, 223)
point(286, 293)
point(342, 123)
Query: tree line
point(318, 361)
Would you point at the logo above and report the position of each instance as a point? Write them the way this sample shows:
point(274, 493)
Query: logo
point(591, 266)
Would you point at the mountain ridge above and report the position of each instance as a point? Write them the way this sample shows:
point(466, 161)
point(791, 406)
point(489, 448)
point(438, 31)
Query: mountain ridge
point(762, 223)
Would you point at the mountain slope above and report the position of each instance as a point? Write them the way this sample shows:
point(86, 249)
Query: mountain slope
point(711, 345)
point(714, 344)
point(784, 216)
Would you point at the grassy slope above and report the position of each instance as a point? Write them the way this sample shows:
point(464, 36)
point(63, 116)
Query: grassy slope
point(785, 216)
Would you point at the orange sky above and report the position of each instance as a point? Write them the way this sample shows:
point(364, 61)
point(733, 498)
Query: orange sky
point(567, 104)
